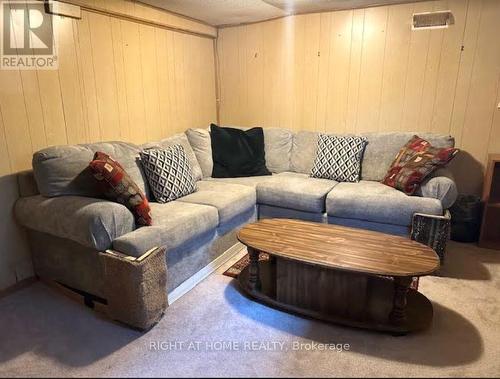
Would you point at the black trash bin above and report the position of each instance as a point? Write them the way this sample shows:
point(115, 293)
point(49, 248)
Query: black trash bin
point(466, 218)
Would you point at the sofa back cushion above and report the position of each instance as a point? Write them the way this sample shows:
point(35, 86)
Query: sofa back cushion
point(27, 184)
point(382, 148)
point(200, 142)
point(338, 158)
point(238, 153)
point(64, 170)
point(305, 146)
point(380, 151)
point(178, 139)
point(277, 145)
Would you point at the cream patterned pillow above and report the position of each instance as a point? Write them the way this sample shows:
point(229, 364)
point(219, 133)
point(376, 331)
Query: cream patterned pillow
point(168, 172)
point(339, 158)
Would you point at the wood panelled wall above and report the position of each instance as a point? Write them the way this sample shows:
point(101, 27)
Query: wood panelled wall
point(366, 70)
point(119, 78)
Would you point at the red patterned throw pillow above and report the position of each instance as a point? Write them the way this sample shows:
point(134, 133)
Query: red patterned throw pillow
point(118, 186)
point(414, 162)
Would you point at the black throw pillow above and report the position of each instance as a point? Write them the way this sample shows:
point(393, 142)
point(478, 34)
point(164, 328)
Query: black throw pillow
point(237, 152)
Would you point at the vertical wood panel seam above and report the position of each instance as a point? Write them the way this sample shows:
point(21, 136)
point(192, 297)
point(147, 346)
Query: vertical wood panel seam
point(459, 65)
point(11, 168)
point(94, 79)
point(262, 60)
point(383, 69)
point(474, 56)
point(462, 42)
point(423, 80)
point(141, 55)
point(26, 110)
point(174, 69)
point(328, 71)
point(24, 98)
point(220, 65)
point(318, 58)
point(158, 84)
point(81, 84)
point(62, 98)
point(436, 86)
point(125, 83)
point(238, 57)
point(346, 116)
point(115, 71)
point(217, 80)
point(359, 71)
point(406, 73)
point(43, 113)
point(247, 95)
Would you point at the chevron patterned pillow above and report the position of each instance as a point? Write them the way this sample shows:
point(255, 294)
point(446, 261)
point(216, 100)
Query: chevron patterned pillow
point(168, 172)
point(338, 158)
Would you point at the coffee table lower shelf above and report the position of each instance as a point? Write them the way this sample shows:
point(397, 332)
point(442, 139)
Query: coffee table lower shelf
point(341, 297)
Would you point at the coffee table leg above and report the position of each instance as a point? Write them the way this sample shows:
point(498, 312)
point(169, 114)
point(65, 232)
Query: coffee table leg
point(253, 269)
point(398, 313)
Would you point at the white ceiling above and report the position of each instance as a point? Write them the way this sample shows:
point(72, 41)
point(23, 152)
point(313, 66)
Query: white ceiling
point(231, 12)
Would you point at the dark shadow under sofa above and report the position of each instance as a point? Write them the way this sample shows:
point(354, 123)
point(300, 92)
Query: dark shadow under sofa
point(85, 243)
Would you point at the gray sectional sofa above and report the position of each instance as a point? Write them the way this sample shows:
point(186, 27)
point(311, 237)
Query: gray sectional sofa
point(72, 230)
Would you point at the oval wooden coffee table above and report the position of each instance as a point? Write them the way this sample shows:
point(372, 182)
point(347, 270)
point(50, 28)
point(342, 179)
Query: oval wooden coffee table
point(338, 274)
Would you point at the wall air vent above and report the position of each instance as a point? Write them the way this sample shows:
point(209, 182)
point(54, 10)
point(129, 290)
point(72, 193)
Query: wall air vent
point(432, 20)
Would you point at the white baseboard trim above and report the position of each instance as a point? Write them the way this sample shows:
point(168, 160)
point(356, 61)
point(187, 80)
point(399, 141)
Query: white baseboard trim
point(189, 284)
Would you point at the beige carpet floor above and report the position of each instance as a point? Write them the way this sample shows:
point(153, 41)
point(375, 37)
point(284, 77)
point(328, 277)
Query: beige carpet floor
point(215, 331)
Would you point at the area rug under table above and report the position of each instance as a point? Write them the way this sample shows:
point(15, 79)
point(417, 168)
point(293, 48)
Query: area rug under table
point(239, 266)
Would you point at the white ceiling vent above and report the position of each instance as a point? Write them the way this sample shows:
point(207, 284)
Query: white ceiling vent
point(432, 20)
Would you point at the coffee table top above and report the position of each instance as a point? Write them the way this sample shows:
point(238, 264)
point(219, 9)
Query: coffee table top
point(340, 247)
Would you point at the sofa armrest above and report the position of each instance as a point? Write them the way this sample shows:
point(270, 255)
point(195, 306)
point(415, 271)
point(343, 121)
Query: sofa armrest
point(94, 223)
point(432, 230)
point(135, 288)
point(441, 186)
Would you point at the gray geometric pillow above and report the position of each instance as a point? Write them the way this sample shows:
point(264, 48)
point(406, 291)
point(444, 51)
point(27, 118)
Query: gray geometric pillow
point(338, 158)
point(168, 172)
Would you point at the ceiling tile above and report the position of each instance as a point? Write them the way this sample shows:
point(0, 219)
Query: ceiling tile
point(232, 12)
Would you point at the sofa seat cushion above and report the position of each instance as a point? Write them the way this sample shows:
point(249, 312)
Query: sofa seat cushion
point(93, 223)
point(230, 200)
point(376, 202)
point(174, 224)
point(295, 191)
point(249, 181)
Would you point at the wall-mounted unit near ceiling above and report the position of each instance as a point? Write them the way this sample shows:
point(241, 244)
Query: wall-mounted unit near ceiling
point(432, 20)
